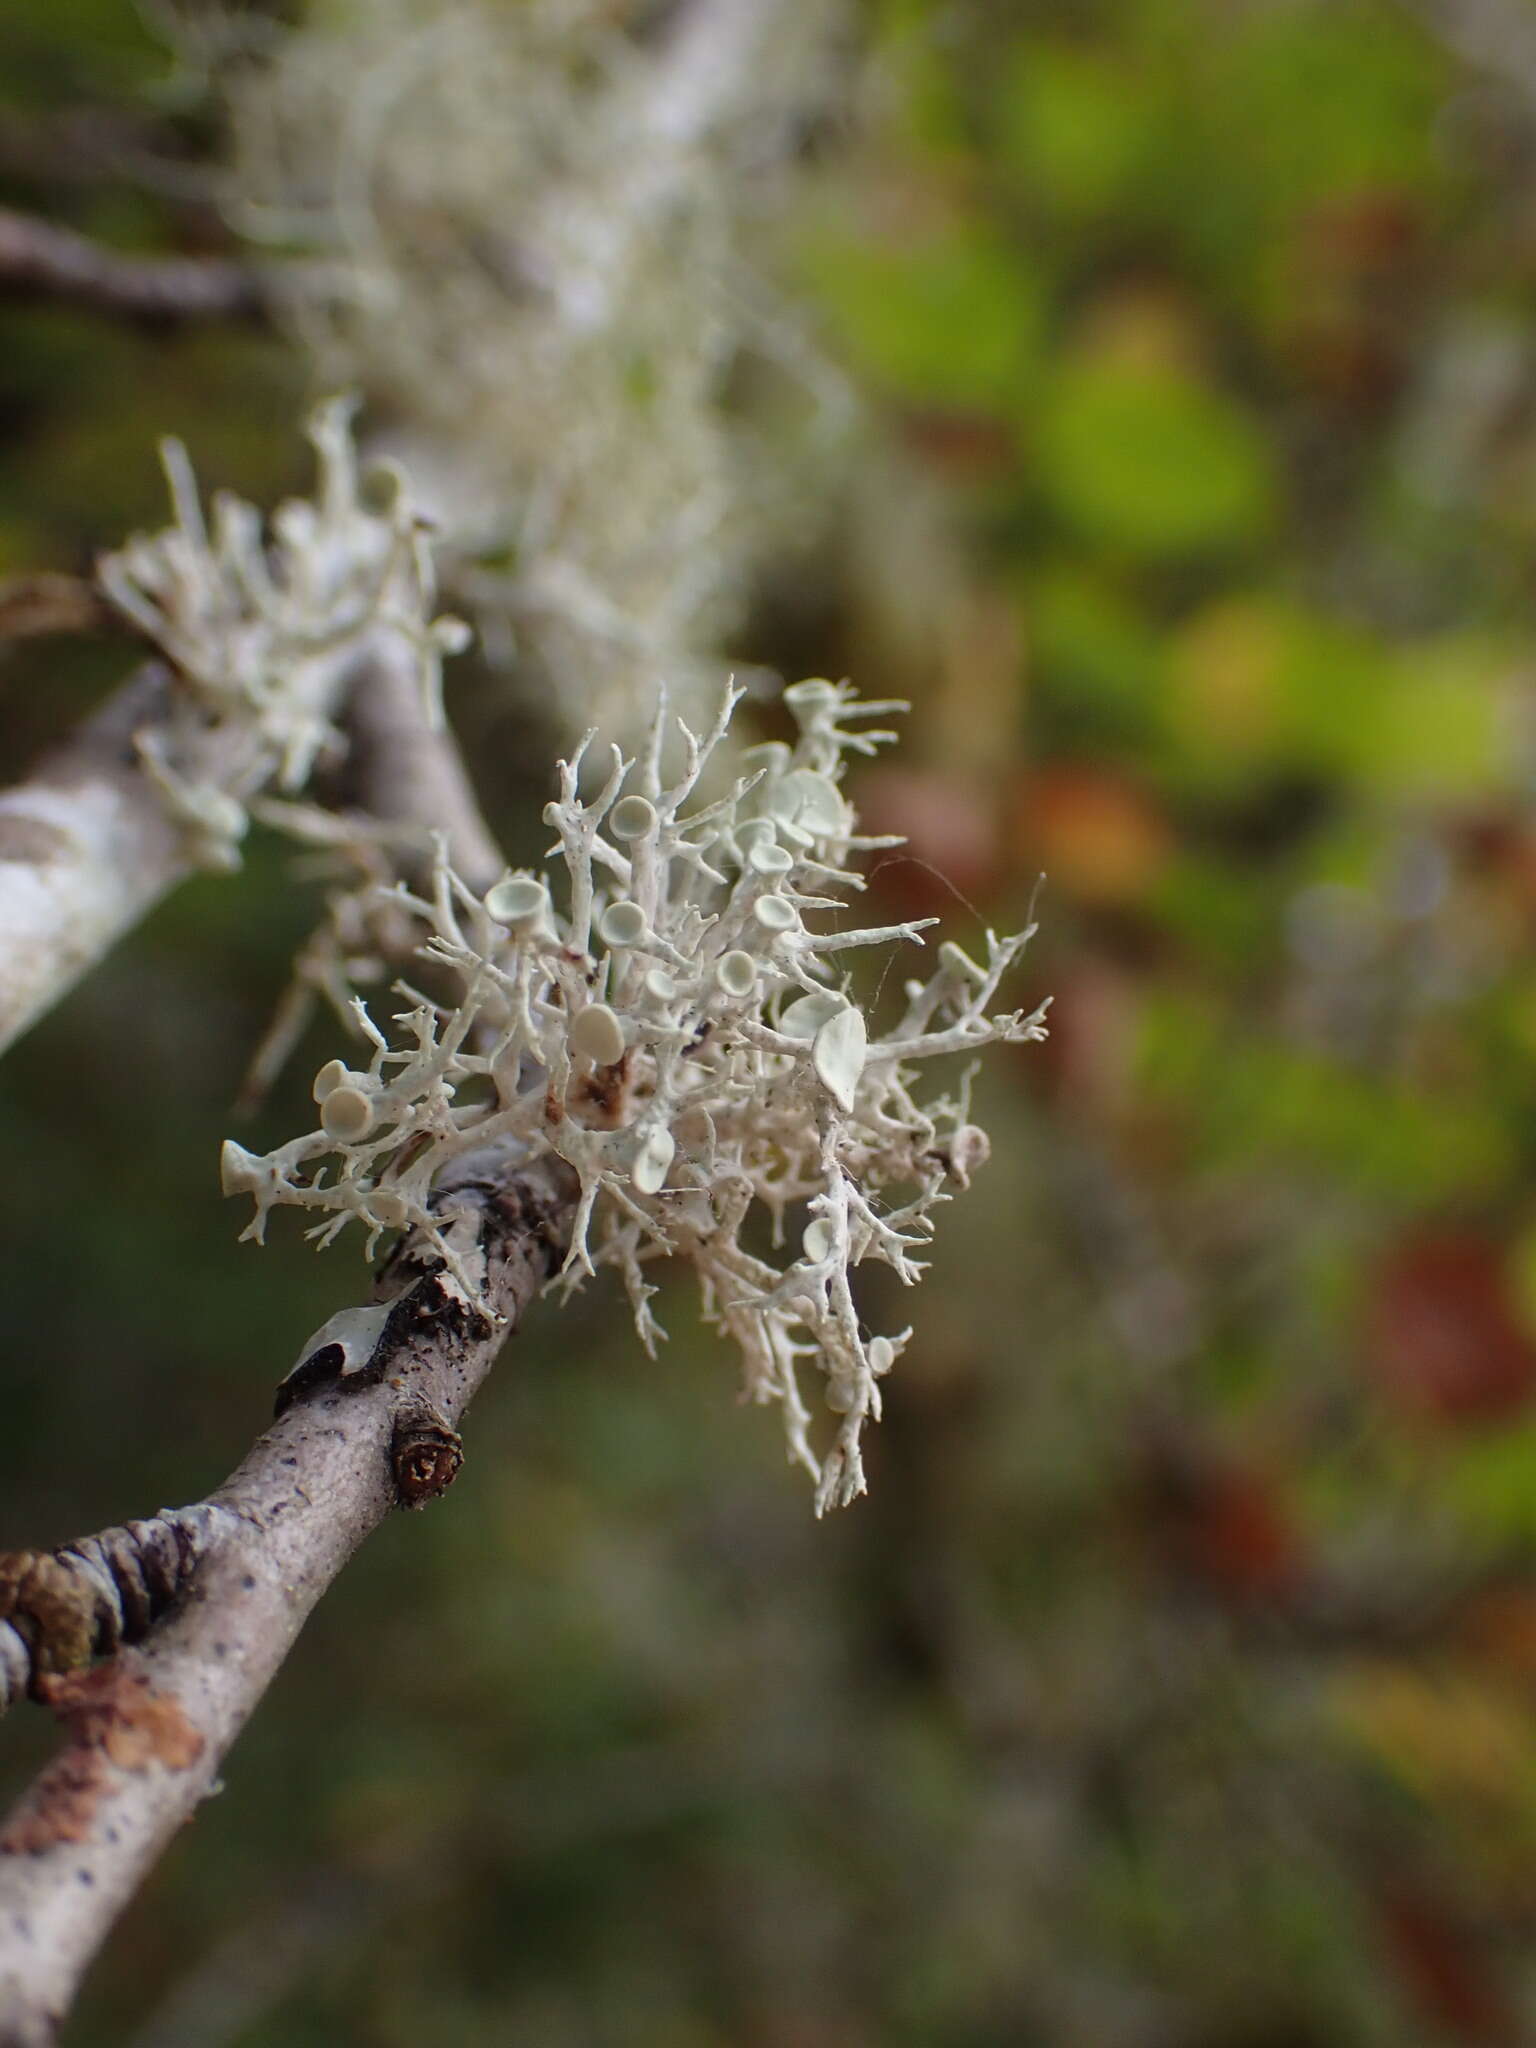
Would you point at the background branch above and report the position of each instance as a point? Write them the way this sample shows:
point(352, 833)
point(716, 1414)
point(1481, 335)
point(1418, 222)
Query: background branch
point(86, 848)
point(406, 772)
point(34, 606)
point(39, 260)
point(149, 1730)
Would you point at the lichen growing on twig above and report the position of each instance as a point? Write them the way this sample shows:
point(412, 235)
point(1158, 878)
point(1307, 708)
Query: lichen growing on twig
point(261, 627)
point(539, 219)
point(679, 1030)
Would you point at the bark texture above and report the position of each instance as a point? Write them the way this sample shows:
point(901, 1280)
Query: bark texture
point(86, 849)
point(147, 1732)
point(60, 1608)
point(87, 846)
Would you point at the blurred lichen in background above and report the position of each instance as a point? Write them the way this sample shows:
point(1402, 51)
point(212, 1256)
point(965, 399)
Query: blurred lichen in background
point(1154, 385)
point(544, 269)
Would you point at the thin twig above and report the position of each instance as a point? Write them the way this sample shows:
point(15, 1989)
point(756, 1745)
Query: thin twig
point(407, 772)
point(408, 777)
point(148, 1731)
point(35, 606)
point(39, 260)
point(97, 146)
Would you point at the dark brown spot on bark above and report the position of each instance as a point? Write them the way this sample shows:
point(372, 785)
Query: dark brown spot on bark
point(117, 1709)
point(60, 1806)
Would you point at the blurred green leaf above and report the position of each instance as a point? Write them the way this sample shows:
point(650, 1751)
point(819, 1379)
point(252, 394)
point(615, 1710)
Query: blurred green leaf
point(1150, 462)
point(952, 318)
point(1073, 124)
point(1247, 1097)
point(1095, 655)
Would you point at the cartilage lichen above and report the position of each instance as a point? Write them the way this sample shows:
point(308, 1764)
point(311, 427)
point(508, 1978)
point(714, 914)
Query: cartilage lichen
point(678, 1028)
point(261, 628)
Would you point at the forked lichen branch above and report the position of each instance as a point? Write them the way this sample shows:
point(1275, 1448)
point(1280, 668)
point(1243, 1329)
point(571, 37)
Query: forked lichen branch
point(679, 1028)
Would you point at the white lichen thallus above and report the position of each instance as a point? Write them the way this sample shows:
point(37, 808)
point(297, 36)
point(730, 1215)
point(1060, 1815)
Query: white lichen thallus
point(263, 626)
point(679, 1034)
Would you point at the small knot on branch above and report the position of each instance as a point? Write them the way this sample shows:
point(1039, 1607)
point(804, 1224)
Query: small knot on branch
point(425, 1454)
point(61, 1608)
point(49, 1607)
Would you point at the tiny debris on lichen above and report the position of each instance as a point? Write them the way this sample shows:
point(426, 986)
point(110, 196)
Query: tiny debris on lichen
point(678, 1029)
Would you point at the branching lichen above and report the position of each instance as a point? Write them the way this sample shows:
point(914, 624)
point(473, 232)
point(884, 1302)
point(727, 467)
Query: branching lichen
point(680, 1030)
point(261, 629)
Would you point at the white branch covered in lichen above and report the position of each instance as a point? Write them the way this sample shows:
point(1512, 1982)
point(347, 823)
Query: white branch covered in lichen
point(679, 1029)
point(538, 218)
point(262, 629)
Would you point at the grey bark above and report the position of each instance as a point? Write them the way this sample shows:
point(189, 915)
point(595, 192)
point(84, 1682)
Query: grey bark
point(86, 849)
point(150, 1729)
point(410, 773)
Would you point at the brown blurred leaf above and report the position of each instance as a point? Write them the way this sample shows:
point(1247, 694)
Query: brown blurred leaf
point(1441, 1339)
point(1088, 1060)
point(1449, 1982)
point(952, 852)
point(1096, 835)
point(1219, 1519)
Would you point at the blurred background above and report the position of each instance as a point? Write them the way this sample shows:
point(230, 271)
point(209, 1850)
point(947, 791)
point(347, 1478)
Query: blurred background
point(1146, 389)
